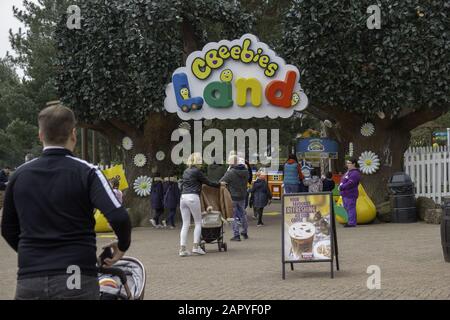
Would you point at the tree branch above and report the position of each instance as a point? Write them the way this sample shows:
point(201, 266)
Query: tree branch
point(333, 114)
point(421, 116)
point(123, 127)
point(190, 41)
point(105, 128)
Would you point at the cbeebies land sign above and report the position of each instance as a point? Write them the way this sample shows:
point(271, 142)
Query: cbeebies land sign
point(242, 78)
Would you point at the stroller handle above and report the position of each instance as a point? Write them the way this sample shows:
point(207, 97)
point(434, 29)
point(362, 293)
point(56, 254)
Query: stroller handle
point(107, 253)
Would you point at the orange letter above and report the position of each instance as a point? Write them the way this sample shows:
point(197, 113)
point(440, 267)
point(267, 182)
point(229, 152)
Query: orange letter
point(285, 88)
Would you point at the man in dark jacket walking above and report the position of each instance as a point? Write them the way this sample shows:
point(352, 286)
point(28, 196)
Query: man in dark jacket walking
point(236, 178)
point(260, 197)
point(48, 216)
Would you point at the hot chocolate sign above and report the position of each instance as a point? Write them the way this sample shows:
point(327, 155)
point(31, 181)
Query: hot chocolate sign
point(308, 233)
point(242, 78)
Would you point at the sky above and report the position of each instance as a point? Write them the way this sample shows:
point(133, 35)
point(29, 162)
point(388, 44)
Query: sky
point(7, 21)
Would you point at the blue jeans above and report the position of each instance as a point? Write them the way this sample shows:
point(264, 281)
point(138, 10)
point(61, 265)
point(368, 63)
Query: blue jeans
point(56, 288)
point(291, 188)
point(240, 217)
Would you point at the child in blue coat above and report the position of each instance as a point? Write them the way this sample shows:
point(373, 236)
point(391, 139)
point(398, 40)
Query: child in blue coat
point(172, 200)
point(157, 200)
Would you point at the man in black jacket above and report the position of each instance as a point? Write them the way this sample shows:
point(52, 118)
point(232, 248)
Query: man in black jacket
point(236, 178)
point(48, 216)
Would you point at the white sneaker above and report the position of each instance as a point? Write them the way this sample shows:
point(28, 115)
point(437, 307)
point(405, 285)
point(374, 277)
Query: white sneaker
point(164, 223)
point(198, 251)
point(158, 226)
point(184, 253)
point(171, 227)
point(153, 222)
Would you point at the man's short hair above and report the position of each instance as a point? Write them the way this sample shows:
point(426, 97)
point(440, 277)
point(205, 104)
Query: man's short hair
point(56, 124)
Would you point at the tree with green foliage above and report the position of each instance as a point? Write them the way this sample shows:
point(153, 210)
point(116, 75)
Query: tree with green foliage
point(34, 47)
point(396, 77)
point(22, 99)
point(18, 127)
point(114, 69)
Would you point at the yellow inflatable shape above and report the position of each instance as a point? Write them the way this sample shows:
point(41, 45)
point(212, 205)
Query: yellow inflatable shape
point(119, 173)
point(101, 224)
point(365, 208)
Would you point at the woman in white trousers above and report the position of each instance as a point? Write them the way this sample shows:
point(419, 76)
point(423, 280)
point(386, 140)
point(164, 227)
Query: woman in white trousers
point(191, 188)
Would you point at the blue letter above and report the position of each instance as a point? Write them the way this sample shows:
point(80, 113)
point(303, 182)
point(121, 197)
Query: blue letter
point(182, 94)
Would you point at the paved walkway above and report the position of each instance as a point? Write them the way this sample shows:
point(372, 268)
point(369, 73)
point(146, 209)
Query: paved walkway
point(409, 255)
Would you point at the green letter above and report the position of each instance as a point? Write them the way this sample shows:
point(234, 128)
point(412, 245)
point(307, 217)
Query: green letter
point(218, 94)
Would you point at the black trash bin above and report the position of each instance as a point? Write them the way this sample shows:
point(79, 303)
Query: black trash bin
point(445, 229)
point(403, 201)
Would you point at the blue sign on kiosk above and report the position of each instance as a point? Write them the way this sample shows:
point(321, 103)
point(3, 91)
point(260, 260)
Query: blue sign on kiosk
point(317, 148)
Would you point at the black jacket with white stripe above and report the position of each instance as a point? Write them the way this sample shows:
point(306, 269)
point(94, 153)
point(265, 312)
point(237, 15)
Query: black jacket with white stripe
point(48, 214)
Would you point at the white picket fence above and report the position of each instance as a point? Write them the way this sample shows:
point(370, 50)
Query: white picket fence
point(429, 169)
point(104, 166)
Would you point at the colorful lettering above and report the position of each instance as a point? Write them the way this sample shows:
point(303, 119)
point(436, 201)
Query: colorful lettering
point(279, 93)
point(218, 94)
point(252, 84)
point(182, 94)
point(212, 60)
point(200, 69)
point(271, 70)
point(247, 55)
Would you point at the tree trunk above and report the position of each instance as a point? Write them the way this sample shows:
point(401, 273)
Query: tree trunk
point(154, 138)
point(389, 143)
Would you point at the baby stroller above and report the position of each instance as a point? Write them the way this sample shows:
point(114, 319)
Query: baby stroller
point(212, 230)
point(125, 280)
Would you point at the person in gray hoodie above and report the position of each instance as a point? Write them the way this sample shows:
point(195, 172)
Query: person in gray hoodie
point(236, 178)
point(314, 183)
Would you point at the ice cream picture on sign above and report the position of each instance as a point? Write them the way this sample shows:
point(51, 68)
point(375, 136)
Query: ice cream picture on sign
point(242, 78)
point(307, 233)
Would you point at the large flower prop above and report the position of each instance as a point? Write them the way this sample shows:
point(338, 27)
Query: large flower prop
point(140, 160)
point(127, 143)
point(369, 162)
point(142, 186)
point(367, 129)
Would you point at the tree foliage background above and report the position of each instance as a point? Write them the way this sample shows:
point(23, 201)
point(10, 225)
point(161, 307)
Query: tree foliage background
point(114, 70)
point(397, 77)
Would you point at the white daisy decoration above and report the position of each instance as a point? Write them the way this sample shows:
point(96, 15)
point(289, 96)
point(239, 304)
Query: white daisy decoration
point(367, 129)
point(127, 143)
point(142, 186)
point(140, 160)
point(369, 162)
